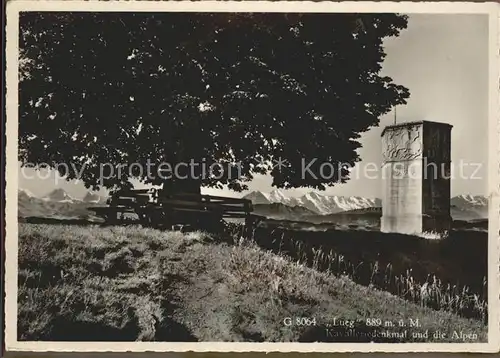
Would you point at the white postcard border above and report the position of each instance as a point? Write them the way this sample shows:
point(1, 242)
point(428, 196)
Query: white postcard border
point(11, 244)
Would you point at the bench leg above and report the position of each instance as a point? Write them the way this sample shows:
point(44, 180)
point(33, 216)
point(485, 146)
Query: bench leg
point(111, 218)
point(211, 222)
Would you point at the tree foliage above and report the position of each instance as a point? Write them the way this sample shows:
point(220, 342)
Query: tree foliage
point(246, 88)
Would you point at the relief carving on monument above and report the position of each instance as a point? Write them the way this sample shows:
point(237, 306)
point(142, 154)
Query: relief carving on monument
point(403, 143)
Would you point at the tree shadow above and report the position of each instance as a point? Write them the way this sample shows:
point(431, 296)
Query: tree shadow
point(71, 330)
point(171, 331)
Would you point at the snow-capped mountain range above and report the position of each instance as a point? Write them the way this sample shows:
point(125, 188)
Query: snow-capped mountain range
point(24, 194)
point(466, 200)
point(61, 196)
point(312, 203)
point(323, 204)
point(318, 203)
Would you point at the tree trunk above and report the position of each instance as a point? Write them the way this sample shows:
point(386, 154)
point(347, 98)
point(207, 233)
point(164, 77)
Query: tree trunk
point(182, 186)
point(184, 180)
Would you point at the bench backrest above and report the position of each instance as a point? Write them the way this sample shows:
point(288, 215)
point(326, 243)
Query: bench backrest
point(182, 200)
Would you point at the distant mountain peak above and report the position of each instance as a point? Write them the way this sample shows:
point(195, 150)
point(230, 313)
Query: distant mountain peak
point(258, 197)
point(25, 194)
point(314, 194)
point(26, 191)
point(92, 197)
point(277, 196)
point(463, 200)
point(59, 195)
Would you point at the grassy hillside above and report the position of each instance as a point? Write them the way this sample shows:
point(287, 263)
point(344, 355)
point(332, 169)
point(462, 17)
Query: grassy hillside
point(131, 283)
point(452, 270)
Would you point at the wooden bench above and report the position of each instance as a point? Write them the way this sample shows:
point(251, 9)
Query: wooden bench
point(157, 209)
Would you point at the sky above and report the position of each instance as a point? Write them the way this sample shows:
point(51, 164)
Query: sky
point(443, 61)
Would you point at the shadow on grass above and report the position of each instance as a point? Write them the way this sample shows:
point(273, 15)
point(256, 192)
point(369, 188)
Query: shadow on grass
point(46, 274)
point(169, 330)
point(172, 331)
point(67, 329)
point(64, 329)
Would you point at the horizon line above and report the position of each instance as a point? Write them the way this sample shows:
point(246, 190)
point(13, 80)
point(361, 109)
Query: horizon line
point(248, 192)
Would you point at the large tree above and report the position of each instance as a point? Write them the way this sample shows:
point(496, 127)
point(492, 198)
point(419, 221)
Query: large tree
point(125, 88)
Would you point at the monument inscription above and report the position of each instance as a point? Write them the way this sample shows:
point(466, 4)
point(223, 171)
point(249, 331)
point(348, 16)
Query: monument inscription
point(416, 190)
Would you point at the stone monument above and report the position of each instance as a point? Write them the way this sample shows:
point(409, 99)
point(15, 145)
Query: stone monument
point(416, 177)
